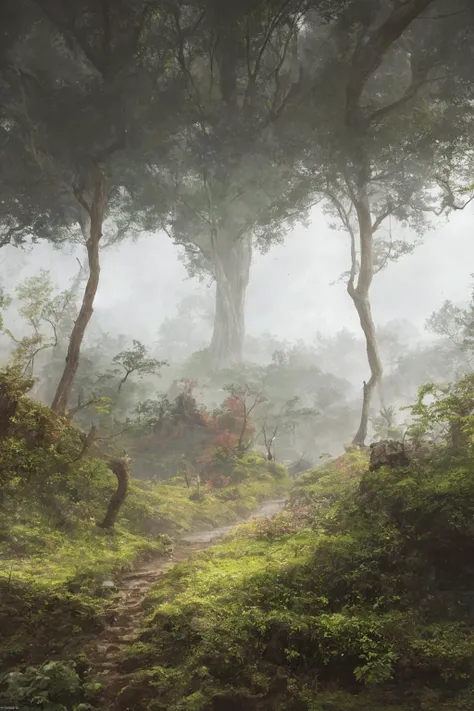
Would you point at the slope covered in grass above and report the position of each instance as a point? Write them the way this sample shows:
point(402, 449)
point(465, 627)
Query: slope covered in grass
point(348, 602)
point(54, 559)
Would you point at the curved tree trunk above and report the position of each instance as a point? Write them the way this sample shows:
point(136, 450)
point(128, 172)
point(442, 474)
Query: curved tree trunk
point(360, 296)
point(365, 60)
point(232, 272)
point(121, 469)
point(96, 213)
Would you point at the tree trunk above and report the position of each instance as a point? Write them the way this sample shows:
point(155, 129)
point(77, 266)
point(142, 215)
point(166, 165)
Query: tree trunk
point(121, 469)
point(360, 297)
point(96, 213)
point(232, 271)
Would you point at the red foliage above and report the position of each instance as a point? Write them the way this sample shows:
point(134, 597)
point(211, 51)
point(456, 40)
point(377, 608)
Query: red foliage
point(210, 420)
point(234, 405)
point(219, 482)
point(225, 440)
point(208, 445)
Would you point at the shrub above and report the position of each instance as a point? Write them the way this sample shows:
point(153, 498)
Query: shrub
point(53, 686)
point(293, 520)
point(361, 597)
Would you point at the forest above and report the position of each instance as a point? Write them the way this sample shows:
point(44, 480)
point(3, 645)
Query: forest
point(211, 501)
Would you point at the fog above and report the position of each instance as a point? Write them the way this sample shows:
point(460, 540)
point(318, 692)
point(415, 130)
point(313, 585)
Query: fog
point(295, 290)
point(236, 297)
point(196, 168)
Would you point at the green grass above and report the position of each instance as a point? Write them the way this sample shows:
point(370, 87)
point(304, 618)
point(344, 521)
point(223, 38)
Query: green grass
point(367, 606)
point(170, 509)
point(90, 554)
point(34, 547)
point(331, 480)
point(55, 557)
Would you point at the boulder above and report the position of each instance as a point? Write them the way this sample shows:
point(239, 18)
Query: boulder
point(389, 453)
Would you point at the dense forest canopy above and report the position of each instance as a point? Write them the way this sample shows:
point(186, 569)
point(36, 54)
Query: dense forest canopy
point(229, 129)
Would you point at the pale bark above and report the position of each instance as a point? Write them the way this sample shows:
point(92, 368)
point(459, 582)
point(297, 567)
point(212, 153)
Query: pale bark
point(360, 296)
point(366, 59)
point(232, 271)
point(96, 212)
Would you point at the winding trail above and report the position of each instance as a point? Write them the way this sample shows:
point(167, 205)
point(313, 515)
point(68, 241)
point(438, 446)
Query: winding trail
point(106, 651)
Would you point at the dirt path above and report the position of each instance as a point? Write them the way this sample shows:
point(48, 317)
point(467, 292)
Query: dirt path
point(106, 652)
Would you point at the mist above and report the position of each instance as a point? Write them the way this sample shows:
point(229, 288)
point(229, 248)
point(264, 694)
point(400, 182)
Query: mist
point(144, 281)
point(236, 355)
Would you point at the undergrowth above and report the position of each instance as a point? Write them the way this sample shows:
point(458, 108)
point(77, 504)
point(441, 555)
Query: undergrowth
point(358, 597)
point(54, 559)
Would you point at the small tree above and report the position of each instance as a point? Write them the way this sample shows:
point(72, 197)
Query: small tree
point(448, 416)
point(136, 361)
point(385, 424)
point(44, 313)
point(282, 421)
point(454, 323)
point(241, 404)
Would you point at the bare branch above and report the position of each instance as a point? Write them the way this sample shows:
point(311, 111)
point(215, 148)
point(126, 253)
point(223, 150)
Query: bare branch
point(450, 200)
point(249, 93)
point(95, 400)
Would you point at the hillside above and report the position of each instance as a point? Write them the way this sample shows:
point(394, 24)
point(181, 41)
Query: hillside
point(357, 596)
point(57, 566)
point(345, 602)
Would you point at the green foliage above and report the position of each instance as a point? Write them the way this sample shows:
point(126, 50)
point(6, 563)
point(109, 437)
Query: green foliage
point(53, 686)
point(46, 687)
point(172, 507)
point(360, 598)
point(385, 425)
point(331, 480)
point(37, 450)
point(304, 403)
point(5, 302)
point(45, 314)
point(447, 418)
point(136, 360)
point(53, 557)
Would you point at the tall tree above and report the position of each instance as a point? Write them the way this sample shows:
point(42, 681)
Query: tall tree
point(229, 190)
point(84, 80)
point(378, 118)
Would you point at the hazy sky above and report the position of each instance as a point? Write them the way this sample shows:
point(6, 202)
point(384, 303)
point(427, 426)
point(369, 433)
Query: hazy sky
point(290, 292)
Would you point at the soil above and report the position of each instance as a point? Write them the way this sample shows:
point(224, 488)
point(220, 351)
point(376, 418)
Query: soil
point(106, 652)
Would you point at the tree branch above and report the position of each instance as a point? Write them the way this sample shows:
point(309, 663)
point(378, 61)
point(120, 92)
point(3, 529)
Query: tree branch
point(411, 92)
point(368, 56)
point(252, 78)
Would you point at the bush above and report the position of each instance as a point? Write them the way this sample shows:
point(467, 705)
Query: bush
point(53, 686)
point(292, 520)
point(361, 598)
point(53, 557)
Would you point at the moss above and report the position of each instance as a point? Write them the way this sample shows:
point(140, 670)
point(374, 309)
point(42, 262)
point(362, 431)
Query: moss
point(54, 557)
point(333, 479)
point(42, 622)
point(171, 509)
point(365, 606)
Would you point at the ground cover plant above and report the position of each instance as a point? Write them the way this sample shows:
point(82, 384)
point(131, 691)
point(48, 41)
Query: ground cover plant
point(351, 600)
